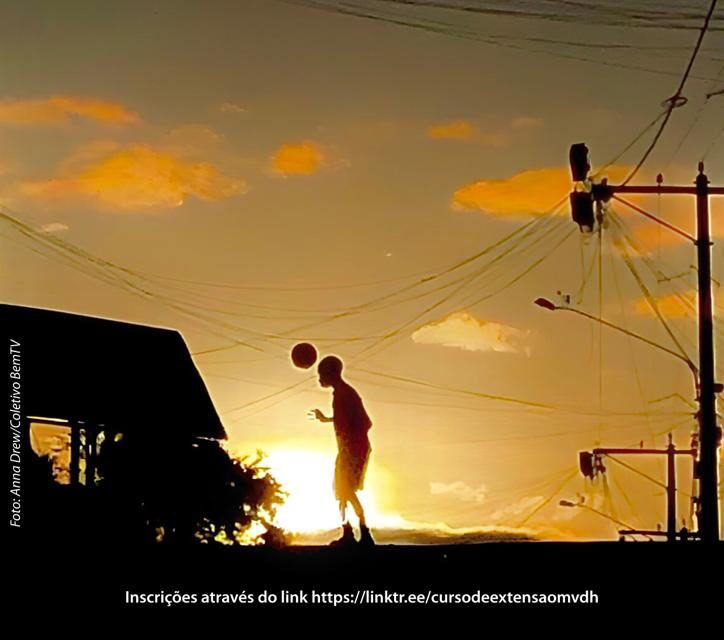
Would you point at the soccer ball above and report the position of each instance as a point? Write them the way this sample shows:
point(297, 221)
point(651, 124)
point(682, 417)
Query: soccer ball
point(304, 355)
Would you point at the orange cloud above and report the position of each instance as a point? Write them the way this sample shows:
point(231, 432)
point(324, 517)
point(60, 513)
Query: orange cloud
point(464, 331)
point(649, 236)
point(466, 131)
point(528, 193)
point(455, 130)
point(678, 210)
point(135, 177)
point(681, 212)
point(303, 158)
point(58, 110)
point(672, 305)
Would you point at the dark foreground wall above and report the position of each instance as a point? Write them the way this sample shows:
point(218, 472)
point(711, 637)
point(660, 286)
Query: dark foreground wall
point(650, 580)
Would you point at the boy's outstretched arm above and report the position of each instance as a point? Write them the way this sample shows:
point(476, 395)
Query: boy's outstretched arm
point(316, 414)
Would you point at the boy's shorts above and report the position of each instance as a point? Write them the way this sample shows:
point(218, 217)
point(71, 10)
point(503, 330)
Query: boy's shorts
point(349, 469)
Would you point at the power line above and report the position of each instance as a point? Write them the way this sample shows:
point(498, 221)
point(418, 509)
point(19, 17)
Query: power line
point(115, 274)
point(449, 30)
point(520, 401)
point(647, 294)
point(552, 495)
point(694, 120)
point(674, 100)
point(397, 332)
point(538, 405)
point(632, 351)
point(375, 303)
point(272, 288)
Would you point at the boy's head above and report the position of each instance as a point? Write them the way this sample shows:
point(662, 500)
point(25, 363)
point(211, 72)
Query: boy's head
point(330, 371)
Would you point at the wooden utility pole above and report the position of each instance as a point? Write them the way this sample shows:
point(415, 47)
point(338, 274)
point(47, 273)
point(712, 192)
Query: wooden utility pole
point(670, 452)
point(710, 433)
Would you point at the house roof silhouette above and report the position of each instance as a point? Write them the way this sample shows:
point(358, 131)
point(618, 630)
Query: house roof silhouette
point(129, 376)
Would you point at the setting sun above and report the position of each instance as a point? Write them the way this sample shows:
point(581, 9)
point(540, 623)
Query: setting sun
point(307, 477)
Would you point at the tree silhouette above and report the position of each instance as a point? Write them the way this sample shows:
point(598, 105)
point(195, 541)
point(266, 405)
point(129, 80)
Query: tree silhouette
point(184, 492)
point(223, 499)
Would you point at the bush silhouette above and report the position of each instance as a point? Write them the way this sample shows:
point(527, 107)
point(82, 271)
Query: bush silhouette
point(180, 493)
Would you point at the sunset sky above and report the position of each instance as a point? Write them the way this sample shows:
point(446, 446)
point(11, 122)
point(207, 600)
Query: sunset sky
point(275, 171)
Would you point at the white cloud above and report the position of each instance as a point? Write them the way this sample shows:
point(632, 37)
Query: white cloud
point(232, 107)
point(460, 490)
point(464, 331)
point(522, 506)
point(54, 227)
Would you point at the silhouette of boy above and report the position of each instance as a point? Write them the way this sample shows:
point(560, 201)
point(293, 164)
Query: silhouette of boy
point(351, 424)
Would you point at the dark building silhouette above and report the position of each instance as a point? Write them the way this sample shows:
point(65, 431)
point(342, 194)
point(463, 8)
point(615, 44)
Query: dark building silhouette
point(103, 371)
point(115, 417)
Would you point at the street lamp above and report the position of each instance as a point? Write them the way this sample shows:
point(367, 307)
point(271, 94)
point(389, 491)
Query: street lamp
point(670, 451)
point(550, 306)
point(569, 503)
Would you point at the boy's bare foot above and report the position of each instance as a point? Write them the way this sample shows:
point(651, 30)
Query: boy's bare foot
point(347, 539)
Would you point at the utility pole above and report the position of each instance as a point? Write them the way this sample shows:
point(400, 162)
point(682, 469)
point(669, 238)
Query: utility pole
point(671, 491)
point(591, 464)
point(710, 433)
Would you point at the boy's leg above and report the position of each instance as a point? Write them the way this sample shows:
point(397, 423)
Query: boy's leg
point(365, 538)
point(343, 511)
point(347, 533)
point(357, 506)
